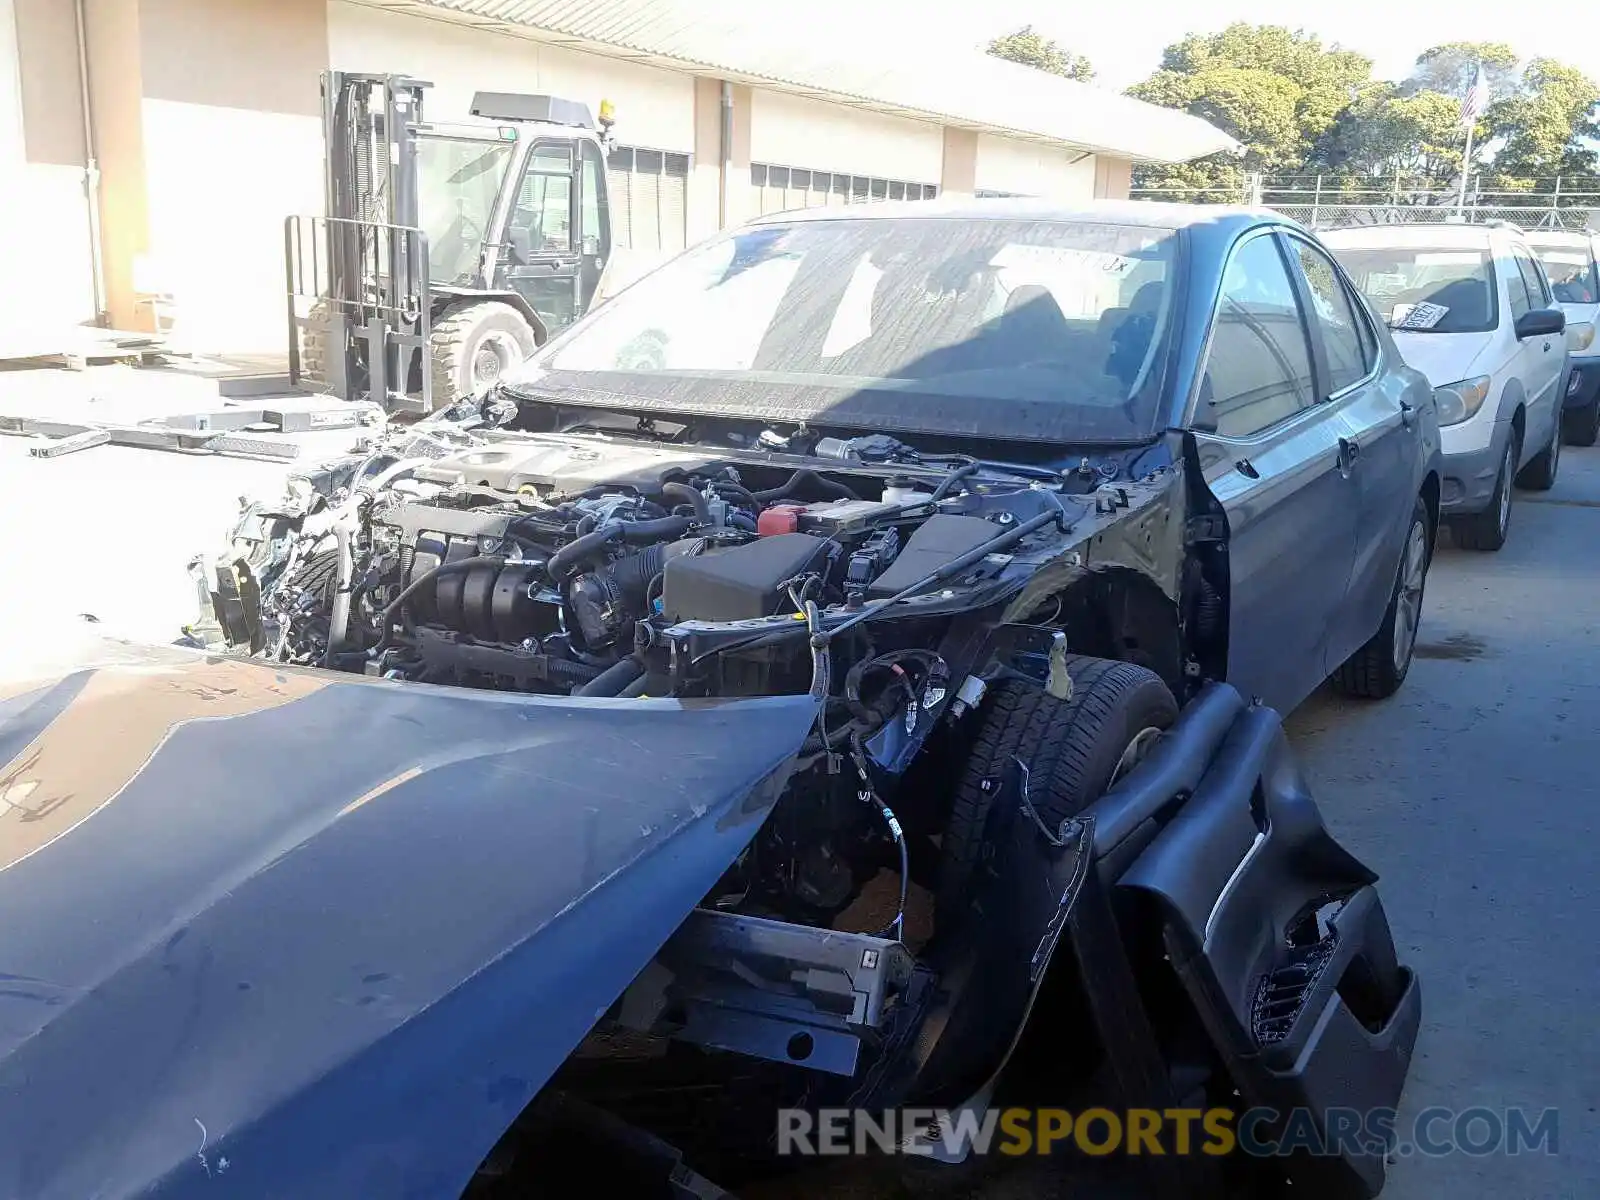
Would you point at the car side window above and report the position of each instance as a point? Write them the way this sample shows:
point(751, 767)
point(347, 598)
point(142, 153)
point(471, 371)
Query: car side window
point(1258, 367)
point(1534, 278)
point(1517, 291)
point(1348, 361)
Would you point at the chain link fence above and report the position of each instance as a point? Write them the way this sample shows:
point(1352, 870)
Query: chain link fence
point(1326, 207)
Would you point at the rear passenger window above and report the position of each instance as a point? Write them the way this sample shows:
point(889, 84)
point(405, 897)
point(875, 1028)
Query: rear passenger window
point(1258, 368)
point(1348, 361)
point(1517, 292)
point(1533, 277)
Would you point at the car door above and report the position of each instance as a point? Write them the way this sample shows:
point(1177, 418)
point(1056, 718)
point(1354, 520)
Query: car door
point(1381, 430)
point(1545, 360)
point(1273, 457)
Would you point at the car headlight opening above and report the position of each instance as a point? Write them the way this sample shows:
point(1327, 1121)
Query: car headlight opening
point(1459, 401)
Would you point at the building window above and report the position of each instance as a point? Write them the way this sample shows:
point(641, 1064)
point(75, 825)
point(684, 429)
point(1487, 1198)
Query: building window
point(778, 189)
point(649, 198)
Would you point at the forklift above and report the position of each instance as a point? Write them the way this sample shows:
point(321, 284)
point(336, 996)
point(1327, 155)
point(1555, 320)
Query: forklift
point(449, 251)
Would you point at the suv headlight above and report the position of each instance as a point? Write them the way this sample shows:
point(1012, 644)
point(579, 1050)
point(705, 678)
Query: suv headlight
point(1458, 401)
point(1580, 336)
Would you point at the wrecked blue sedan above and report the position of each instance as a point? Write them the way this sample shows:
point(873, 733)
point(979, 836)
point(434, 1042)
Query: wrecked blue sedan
point(825, 679)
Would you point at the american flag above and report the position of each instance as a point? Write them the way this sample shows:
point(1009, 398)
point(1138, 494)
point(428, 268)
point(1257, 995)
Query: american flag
point(1476, 100)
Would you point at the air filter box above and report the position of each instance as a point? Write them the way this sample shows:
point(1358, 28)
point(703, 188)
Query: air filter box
point(740, 583)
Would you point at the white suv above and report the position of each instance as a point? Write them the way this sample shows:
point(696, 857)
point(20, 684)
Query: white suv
point(1569, 260)
point(1471, 308)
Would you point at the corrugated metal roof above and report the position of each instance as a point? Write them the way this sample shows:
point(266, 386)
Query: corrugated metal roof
point(964, 88)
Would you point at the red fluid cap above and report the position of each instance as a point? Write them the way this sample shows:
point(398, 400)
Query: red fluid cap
point(780, 518)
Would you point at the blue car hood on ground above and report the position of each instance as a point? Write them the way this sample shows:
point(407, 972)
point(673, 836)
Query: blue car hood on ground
point(272, 932)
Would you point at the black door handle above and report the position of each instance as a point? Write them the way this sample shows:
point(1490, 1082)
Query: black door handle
point(1246, 468)
point(1408, 415)
point(1349, 453)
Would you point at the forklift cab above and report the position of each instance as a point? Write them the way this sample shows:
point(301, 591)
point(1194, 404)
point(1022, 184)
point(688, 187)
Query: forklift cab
point(516, 204)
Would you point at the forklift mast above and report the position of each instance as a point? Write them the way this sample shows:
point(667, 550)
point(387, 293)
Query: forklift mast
point(359, 297)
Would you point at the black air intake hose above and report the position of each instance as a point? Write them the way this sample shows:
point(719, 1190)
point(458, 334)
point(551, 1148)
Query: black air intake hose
point(613, 679)
point(633, 574)
point(591, 547)
point(799, 479)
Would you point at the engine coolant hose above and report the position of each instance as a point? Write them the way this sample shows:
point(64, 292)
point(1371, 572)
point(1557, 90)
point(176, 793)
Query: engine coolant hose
point(611, 682)
point(804, 476)
point(686, 494)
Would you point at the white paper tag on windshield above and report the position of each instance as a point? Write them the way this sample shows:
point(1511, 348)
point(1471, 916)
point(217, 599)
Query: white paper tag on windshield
point(1015, 256)
point(1417, 316)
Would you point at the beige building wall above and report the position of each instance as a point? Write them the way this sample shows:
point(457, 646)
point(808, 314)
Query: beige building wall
point(1113, 177)
point(1032, 169)
point(655, 108)
point(46, 269)
point(791, 131)
point(958, 178)
point(231, 133)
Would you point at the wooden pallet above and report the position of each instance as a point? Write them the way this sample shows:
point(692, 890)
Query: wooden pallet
point(79, 347)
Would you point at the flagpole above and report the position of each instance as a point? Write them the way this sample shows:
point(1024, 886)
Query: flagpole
point(1472, 107)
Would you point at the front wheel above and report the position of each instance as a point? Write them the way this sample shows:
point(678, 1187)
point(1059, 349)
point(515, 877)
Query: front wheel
point(1487, 530)
point(1540, 474)
point(1377, 670)
point(1073, 750)
point(1581, 426)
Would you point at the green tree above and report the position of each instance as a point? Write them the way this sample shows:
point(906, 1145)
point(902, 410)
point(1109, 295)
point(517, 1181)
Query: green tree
point(1387, 136)
point(1450, 69)
point(1279, 92)
point(1548, 126)
point(1033, 49)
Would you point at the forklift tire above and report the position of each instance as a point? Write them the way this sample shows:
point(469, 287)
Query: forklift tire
point(1073, 749)
point(314, 349)
point(474, 345)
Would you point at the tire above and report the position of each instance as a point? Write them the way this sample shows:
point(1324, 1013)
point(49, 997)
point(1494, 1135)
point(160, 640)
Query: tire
point(1376, 671)
point(1071, 748)
point(1487, 530)
point(1540, 473)
point(466, 337)
point(314, 356)
point(1581, 426)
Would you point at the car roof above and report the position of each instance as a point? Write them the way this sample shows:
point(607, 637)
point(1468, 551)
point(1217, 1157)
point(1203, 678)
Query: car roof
point(1441, 234)
point(1563, 237)
point(1220, 219)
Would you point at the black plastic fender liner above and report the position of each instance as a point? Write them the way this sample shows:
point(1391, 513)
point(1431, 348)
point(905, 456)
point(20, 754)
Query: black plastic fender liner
point(989, 979)
point(1173, 768)
point(1277, 935)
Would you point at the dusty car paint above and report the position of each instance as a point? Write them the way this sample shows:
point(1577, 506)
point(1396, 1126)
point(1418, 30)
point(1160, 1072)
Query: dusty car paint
point(406, 935)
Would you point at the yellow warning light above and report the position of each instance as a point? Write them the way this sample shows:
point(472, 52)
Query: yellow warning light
point(608, 113)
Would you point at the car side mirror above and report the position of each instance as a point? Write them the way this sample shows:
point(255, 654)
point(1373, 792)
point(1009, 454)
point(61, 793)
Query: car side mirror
point(1541, 322)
